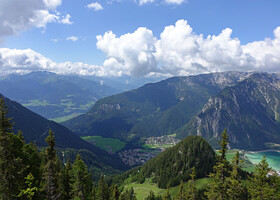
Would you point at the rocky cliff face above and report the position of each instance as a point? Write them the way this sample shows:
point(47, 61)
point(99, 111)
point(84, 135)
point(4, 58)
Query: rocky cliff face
point(249, 110)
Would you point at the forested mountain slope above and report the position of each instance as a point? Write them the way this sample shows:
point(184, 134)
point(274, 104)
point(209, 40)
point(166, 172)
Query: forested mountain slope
point(154, 109)
point(175, 164)
point(36, 128)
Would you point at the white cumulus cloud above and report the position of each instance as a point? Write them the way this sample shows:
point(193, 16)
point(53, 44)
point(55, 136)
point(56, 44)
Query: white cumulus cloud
point(18, 15)
point(27, 60)
point(141, 2)
point(178, 2)
point(66, 19)
point(171, 2)
point(95, 6)
point(72, 38)
point(180, 51)
point(132, 53)
point(177, 51)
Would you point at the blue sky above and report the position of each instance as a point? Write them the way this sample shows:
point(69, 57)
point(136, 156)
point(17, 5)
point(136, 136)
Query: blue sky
point(249, 20)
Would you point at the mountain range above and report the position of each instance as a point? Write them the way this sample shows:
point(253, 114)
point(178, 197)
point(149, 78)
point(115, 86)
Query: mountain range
point(249, 110)
point(60, 97)
point(36, 128)
point(244, 103)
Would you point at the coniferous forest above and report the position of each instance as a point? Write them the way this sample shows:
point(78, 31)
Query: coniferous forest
point(29, 172)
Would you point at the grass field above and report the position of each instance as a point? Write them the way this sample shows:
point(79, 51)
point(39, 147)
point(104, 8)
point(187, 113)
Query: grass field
point(38, 102)
point(143, 190)
point(65, 118)
point(108, 144)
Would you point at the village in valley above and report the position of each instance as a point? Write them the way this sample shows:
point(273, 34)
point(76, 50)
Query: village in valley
point(152, 147)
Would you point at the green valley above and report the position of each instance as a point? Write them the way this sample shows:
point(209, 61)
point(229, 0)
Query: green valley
point(108, 144)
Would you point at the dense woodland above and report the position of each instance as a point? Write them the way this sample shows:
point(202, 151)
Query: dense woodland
point(27, 172)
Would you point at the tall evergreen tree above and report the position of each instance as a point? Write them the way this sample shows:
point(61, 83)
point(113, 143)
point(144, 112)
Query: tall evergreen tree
point(102, 190)
point(191, 191)
point(10, 162)
point(217, 190)
point(116, 193)
point(128, 195)
point(151, 196)
point(181, 195)
point(30, 190)
point(82, 183)
point(166, 195)
point(50, 170)
point(235, 189)
point(65, 181)
point(260, 186)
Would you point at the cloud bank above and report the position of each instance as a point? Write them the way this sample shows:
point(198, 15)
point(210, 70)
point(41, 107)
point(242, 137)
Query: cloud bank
point(18, 15)
point(178, 51)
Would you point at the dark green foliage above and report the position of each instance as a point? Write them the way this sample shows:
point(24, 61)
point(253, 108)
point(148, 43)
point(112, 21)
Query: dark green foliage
point(115, 192)
point(175, 163)
point(128, 195)
point(261, 186)
point(30, 190)
point(181, 195)
point(51, 173)
point(10, 161)
point(218, 188)
point(235, 189)
point(191, 191)
point(166, 196)
point(102, 190)
point(81, 186)
point(66, 178)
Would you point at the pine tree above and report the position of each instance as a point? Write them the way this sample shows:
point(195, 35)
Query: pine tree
point(151, 196)
point(167, 196)
point(191, 192)
point(30, 190)
point(128, 195)
point(260, 186)
point(82, 183)
point(181, 195)
point(116, 193)
point(235, 189)
point(65, 181)
point(10, 163)
point(217, 190)
point(50, 170)
point(102, 190)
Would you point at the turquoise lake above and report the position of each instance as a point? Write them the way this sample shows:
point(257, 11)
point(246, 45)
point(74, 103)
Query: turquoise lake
point(272, 157)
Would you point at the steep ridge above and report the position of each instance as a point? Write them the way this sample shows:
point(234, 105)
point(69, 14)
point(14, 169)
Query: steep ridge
point(154, 109)
point(250, 111)
point(35, 129)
